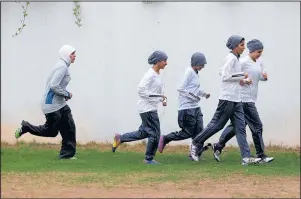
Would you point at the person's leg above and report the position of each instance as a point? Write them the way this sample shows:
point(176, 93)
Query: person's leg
point(134, 135)
point(199, 126)
point(226, 135)
point(219, 120)
point(187, 121)
point(238, 121)
point(255, 125)
point(131, 136)
point(153, 130)
point(49, 129)
point(68, 133)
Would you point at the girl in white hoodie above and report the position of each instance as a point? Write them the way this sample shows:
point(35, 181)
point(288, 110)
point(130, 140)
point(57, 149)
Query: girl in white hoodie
point(57, 112)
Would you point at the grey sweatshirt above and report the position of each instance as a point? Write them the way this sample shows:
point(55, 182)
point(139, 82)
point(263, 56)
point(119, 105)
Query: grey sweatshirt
point(55, 93)
point(190, 85)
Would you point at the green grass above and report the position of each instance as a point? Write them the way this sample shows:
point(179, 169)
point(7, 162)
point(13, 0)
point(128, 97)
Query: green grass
point(103, 165)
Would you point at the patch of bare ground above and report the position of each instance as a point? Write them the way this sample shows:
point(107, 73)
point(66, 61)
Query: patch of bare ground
point(76, 185)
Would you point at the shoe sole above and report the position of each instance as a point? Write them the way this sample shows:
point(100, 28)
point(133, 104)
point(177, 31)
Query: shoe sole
point(118, 143)
point(214, 156)
point(251, 163)
point(271, 160)
point(17, 134)
point(196, 160)
point(144, 162)
point(114, 148)
point(264, 162)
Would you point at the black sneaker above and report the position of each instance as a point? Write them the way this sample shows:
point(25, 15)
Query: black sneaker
point(265, 159)
point(207, 146)
point(216, 152)
point(20, 131)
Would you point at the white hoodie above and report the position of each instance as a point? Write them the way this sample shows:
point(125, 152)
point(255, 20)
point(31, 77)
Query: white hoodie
point(55, 93)
point(190, 84)
point(254, 70)
point(150, 84)
point(231, 73)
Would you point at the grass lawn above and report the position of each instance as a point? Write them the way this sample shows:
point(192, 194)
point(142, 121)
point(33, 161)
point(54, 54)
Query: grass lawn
point(97, 165)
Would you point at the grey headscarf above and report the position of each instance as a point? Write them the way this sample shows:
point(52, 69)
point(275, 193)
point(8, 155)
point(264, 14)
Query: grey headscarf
point(234, 41)
point(198, 59)
point(254, 45)
point(157, 56)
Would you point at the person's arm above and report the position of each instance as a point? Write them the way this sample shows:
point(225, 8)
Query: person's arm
point(183, 85)
point(263, 74)
point(202, 93)
point(226, 74)
point(144, 87)
point(189, 94)
point(56, 80)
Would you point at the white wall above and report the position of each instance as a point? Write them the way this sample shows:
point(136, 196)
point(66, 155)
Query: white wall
point(112, 50)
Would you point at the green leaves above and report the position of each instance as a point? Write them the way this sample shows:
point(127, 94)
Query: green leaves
point(25, 14)
point(76, 13)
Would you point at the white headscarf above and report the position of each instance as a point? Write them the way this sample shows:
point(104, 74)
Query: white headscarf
point(65, 52)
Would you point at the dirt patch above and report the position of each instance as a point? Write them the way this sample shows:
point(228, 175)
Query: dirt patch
point(48, 185)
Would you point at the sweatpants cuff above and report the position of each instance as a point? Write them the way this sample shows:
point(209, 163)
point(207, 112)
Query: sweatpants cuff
point(149, 158)
point(198, 145)
point(219, 146)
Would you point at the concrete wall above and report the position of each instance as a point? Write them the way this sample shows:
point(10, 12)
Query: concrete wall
point(112, 50)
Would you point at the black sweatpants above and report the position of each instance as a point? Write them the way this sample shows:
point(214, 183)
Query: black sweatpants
point(150, 128)
point(226, 110)
point(253, 121)
point(58, 121)
point(191, 123)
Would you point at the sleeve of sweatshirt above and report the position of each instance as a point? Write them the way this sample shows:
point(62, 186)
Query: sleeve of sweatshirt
point(226, 74)
point(144, 87)
point(183, 86)
point(56, 80)
point(261, 78)
point(201, 93)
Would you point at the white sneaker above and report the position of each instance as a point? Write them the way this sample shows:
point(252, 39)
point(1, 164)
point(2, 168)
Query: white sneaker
point(250, 160)
point(266, 160)
point(194, 152)
point(216, 153)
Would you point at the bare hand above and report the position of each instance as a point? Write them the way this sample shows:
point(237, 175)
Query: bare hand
point(265, 75)
point(246, 75)
point(207, 95)
point(242, 82)
point(164, 102)
point(248, 81)
point(68, 98)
